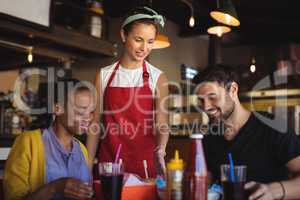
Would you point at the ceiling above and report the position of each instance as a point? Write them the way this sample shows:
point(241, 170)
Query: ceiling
point(261, 20)
point(264, 24)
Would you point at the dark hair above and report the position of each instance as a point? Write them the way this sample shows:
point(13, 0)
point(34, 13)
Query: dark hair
point(222, 74)
point(139, 10)
point(59, 91)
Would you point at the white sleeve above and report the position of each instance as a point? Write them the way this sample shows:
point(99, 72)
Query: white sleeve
point(154, 74)
point(105, 73)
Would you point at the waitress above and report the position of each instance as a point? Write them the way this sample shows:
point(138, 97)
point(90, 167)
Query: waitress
point(133, 101)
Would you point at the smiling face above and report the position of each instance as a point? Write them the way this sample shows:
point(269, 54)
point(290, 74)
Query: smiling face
point(215, 101)
point(139, 41)
point(79, 112)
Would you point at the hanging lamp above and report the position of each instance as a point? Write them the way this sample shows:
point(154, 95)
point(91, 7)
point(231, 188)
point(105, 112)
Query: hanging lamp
point(30, 56)
point(161, 41)
point(192, 18)
point(225, 13)
point(218, 29)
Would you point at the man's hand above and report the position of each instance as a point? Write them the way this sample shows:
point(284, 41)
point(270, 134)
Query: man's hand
point(259, 191)
point(73, 188)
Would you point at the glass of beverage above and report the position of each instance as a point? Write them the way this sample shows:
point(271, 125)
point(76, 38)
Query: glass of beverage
point(234, 189)
point(111, 177)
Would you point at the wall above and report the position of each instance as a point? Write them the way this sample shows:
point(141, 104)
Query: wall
point(8, 80)
point(86, 70)
point(266, 58)
point(239, 55)
point(190, 51)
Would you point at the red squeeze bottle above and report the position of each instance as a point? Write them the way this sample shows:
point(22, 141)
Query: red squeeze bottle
point(195, 176)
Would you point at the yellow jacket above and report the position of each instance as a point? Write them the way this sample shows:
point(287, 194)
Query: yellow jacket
point(25, 167)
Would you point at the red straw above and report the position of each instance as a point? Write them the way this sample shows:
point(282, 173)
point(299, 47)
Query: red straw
point(118, 153)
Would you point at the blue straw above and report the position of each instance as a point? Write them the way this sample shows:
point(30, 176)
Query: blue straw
point(231, 167)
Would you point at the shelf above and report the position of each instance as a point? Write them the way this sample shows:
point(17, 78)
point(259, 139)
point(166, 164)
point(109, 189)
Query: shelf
point(81, 8)
point(59, 35)
point(275, 93)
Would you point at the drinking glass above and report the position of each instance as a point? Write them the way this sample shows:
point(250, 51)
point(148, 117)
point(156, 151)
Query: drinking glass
point(233, 186)
point(111, 177)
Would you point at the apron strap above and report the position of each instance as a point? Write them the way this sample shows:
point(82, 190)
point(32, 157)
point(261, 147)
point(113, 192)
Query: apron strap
point(145, 74)
point(113, 74)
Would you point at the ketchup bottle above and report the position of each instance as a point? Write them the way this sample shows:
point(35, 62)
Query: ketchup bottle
point(195, 176)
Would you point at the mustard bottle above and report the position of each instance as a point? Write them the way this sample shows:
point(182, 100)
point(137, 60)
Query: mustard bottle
point(175, 169)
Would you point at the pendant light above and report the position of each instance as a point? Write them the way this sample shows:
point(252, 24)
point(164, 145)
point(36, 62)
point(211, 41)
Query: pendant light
point(225, 13)
point(218, 29)
point(161, 41)
point(252, 66)
point(192, 21)
point(192, 18)
point(30, 56)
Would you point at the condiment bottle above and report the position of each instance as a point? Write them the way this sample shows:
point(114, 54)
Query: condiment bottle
point(195, 176)
point(175, 170)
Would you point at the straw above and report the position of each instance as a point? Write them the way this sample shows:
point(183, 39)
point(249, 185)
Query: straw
point(120, 165)
point(146, 168)
point(231, 167)
point(118, 153)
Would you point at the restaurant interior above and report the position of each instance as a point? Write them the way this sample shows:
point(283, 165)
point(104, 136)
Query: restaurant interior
point(75, 38)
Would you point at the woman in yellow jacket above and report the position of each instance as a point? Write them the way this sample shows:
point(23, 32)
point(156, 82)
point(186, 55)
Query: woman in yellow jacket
point(51, 163)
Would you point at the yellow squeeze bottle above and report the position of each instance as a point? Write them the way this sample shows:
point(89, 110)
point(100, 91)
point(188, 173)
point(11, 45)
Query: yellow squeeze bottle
point(175, 169)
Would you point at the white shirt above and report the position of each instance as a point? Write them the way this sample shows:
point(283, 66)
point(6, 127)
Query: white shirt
point(129, 77)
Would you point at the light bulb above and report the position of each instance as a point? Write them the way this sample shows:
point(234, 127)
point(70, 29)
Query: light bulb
point(30, 57)
point(192, 21)
point(252, 68)
point(219, 32)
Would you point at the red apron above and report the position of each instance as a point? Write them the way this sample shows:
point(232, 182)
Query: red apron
point(128, 120)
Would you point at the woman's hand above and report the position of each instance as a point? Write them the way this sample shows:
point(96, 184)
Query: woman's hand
point(73, 188)
point(159, 162)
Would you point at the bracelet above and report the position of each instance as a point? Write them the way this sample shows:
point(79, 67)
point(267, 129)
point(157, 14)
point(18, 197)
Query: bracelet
point(283, 190)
